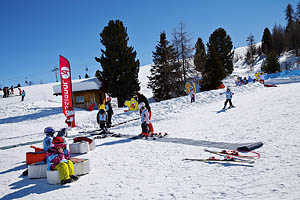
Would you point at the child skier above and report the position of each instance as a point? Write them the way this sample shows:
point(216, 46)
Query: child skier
point(144, 119)
point(228, 98)
point(102, 119)
point(109, 111)
point(192, 95)
point(63, 134)
point(47, 142)
point(60, 161)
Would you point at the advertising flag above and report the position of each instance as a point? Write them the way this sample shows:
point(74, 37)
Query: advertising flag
point(66, 91)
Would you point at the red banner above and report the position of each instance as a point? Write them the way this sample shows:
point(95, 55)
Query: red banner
point(66, 91)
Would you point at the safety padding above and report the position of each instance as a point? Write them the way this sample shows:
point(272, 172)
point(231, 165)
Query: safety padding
point(53, 177)
point(79, 147)
point(81, 166)
point(33, 157)
point(37, 170)
point(92, 145)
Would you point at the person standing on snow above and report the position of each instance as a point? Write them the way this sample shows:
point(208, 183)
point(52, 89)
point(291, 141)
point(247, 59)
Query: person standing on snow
point(142, 99)
point(228, 98)
point(23, 95)
point(192, 94)
point(109, 111)
point(144, 119)
point(102, 119)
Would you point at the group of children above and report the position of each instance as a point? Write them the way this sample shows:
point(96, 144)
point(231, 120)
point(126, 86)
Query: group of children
point(58, 154)
point(104, 115)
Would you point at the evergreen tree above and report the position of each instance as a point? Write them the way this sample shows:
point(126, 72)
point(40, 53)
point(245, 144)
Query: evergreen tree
point(200, 55)
point(214, 70)
point(223, 47)
point(266, 42)
point(165, 79)
point(271, 64)
point(289, 16)
point(278, 39)
point(118, 61)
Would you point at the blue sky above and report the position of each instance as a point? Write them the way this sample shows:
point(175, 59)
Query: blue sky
point(35, 32)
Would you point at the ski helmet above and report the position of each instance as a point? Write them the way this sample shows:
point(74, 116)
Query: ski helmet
point(49, 131)
point(141, 105)
point(62, 133)
point(108, 99)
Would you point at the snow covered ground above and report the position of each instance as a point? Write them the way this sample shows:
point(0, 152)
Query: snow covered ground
point(145, 169)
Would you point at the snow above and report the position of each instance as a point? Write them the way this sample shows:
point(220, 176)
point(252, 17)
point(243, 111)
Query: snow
point(145, 169)
point(81, 85)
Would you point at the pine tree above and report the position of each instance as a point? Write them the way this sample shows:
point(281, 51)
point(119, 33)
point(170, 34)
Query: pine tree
point(214, 70)
point(165, 79)
point(223, 46)
point(118, 61)
point(266, 42)
point(200, 55)
point(278, 39)
point(271, 64)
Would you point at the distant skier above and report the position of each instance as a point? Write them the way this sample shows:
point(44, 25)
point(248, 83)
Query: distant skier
point(192, 94)
point(141, 98)
point(144, 119)
point(23, 95)
point(102, 119)
point(109, 111)
point(228, 98)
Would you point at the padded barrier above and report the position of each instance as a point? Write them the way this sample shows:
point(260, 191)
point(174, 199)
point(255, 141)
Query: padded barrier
point(79, 147)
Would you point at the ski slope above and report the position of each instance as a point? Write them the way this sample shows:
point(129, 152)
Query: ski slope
point(145, 169)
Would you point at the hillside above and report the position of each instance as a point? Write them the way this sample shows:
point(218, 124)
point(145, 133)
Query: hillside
point(145, 169)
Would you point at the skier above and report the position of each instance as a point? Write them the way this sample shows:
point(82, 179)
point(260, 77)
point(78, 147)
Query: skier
point(60, 161)
point(141, 98)
point(102, 120)
point(144, 119)
point(192, 94)
point(23, 95)
point(228, 98)
point(109, 111)
point(47, 142)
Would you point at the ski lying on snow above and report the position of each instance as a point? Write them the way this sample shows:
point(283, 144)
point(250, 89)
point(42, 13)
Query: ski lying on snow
point(235, 154)
point(232, 160)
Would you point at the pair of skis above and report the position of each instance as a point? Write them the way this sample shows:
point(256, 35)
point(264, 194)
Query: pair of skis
point(231, 156)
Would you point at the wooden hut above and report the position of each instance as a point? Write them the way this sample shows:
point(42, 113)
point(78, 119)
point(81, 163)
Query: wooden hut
point(85, 92)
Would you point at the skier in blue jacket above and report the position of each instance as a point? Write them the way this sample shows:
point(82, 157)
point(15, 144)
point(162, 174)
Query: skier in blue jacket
point(228, 94)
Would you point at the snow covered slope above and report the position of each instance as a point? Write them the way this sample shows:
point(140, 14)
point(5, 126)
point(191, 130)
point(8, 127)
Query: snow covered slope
point(145, 169)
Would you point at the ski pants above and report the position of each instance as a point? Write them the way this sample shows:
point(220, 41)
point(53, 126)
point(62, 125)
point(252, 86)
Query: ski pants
point(65, 170)
point(145, 128)
point(230, 103)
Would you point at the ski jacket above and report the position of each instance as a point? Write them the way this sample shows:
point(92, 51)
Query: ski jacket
point(145, 116)
point(101, 117)
point(228, 94)
point(23, 93)
point(108, 108)
point(47, 142)
point(54, 157)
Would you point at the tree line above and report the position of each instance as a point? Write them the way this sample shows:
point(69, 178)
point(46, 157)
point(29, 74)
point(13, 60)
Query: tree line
point(281, 39)
point(172, 62)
